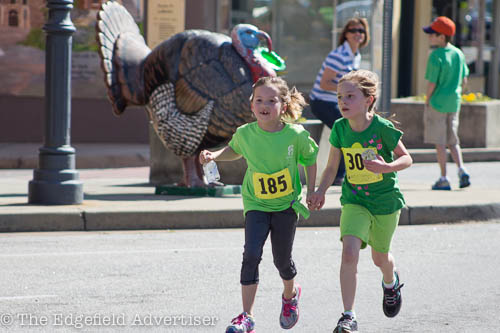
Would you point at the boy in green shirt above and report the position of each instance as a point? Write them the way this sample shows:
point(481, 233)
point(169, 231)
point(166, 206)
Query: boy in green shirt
point(446, 72)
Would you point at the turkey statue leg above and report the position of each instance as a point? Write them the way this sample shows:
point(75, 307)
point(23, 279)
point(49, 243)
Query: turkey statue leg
point(193, 176)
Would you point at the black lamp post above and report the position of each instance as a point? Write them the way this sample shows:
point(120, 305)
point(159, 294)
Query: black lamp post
point(56, 182)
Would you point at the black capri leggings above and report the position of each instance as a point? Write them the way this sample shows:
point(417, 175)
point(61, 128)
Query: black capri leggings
point(258, 225)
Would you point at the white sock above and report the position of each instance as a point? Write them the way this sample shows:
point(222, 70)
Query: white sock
point(391, 284)
point(350, 313)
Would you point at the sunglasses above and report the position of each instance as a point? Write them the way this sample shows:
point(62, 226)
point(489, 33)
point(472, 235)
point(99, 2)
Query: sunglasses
point(353, 31)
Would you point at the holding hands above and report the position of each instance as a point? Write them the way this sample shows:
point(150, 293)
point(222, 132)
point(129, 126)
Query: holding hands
point(315, 200)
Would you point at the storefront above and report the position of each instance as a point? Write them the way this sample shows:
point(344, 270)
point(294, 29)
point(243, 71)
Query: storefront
point(305, 31)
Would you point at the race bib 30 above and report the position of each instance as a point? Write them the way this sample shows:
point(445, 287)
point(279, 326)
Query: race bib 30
point(355, 169)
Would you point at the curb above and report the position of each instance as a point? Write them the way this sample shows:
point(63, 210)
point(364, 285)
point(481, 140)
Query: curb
point(209, 219)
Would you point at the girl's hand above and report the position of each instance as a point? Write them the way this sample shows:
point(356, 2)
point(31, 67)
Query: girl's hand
point(315, 200)
point(206, 156)
point(376, 166)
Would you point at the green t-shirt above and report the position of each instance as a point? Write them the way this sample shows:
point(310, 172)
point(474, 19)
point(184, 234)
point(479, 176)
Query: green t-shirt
point(379, 193)
point(272, 180)
point(446, 68)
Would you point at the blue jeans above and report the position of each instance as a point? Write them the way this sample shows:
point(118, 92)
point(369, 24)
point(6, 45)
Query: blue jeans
point(258, 225)
point(328, 113)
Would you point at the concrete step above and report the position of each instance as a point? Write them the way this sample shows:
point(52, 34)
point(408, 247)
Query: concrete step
point(114, 155)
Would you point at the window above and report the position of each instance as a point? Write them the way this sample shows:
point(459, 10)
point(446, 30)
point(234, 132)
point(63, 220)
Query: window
point(13, 18)
point(301, 31)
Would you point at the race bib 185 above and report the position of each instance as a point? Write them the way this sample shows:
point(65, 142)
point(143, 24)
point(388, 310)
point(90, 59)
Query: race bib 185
point(355, 169)
point(272, 186)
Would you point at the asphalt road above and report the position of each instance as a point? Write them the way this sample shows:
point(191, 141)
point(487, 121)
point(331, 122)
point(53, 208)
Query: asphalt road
point(188, 281)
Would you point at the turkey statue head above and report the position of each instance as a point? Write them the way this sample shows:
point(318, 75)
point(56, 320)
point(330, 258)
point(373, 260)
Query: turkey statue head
point(195, 85)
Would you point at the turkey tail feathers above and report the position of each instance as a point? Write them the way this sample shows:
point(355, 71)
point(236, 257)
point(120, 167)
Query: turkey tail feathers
point(122, 50)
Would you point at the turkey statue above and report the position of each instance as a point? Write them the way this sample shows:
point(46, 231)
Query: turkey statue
point(195, 85)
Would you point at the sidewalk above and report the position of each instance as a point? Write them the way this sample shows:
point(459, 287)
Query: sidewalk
point(112, 155)
point(121, 198)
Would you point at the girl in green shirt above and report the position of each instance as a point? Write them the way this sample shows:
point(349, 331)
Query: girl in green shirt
point(371, 199)
point(271, 191)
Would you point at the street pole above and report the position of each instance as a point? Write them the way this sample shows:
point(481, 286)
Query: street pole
point(55, 181)
point(386, 59)
point(493, 90)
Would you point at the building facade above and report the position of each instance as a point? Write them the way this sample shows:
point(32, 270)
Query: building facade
point(303, 33)
point(21, 14)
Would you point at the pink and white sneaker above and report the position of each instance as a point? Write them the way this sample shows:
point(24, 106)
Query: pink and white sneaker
point(243, 323)
point(290, 309)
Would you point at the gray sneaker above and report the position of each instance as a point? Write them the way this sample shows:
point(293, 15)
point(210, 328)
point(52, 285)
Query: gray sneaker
point(443, 185)
point(290, 309)
point(346, 324)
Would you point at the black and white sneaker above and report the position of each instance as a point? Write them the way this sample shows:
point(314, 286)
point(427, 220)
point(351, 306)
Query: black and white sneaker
point(346, 324)
point(392, 298)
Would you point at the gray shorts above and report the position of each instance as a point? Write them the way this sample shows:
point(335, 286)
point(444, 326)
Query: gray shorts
point(440, 128)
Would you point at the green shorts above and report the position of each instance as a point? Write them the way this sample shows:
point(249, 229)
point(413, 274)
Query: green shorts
point(375, 230)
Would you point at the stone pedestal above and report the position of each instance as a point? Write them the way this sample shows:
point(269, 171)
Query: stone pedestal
point(479, 123)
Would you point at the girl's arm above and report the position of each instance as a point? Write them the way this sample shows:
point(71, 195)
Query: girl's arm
point(317, 199)
point(225, 154)
point(310, 179)
point(402, 161)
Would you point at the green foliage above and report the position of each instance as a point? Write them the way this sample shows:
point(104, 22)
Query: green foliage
point(88, 42)
point(326, 14)
point(84, 47)
point(35, 38)
point(141, 27)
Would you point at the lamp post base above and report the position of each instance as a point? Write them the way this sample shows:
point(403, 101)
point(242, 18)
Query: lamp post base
point(53, 192)
point(56, 182)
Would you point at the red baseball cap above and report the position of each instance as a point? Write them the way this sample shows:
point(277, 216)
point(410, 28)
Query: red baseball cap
point(441, 25)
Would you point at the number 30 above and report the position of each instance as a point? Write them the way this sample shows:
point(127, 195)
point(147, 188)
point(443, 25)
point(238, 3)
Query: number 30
point(355, 161)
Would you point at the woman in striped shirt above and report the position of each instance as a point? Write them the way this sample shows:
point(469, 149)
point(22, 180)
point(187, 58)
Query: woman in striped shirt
point(342, 60)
